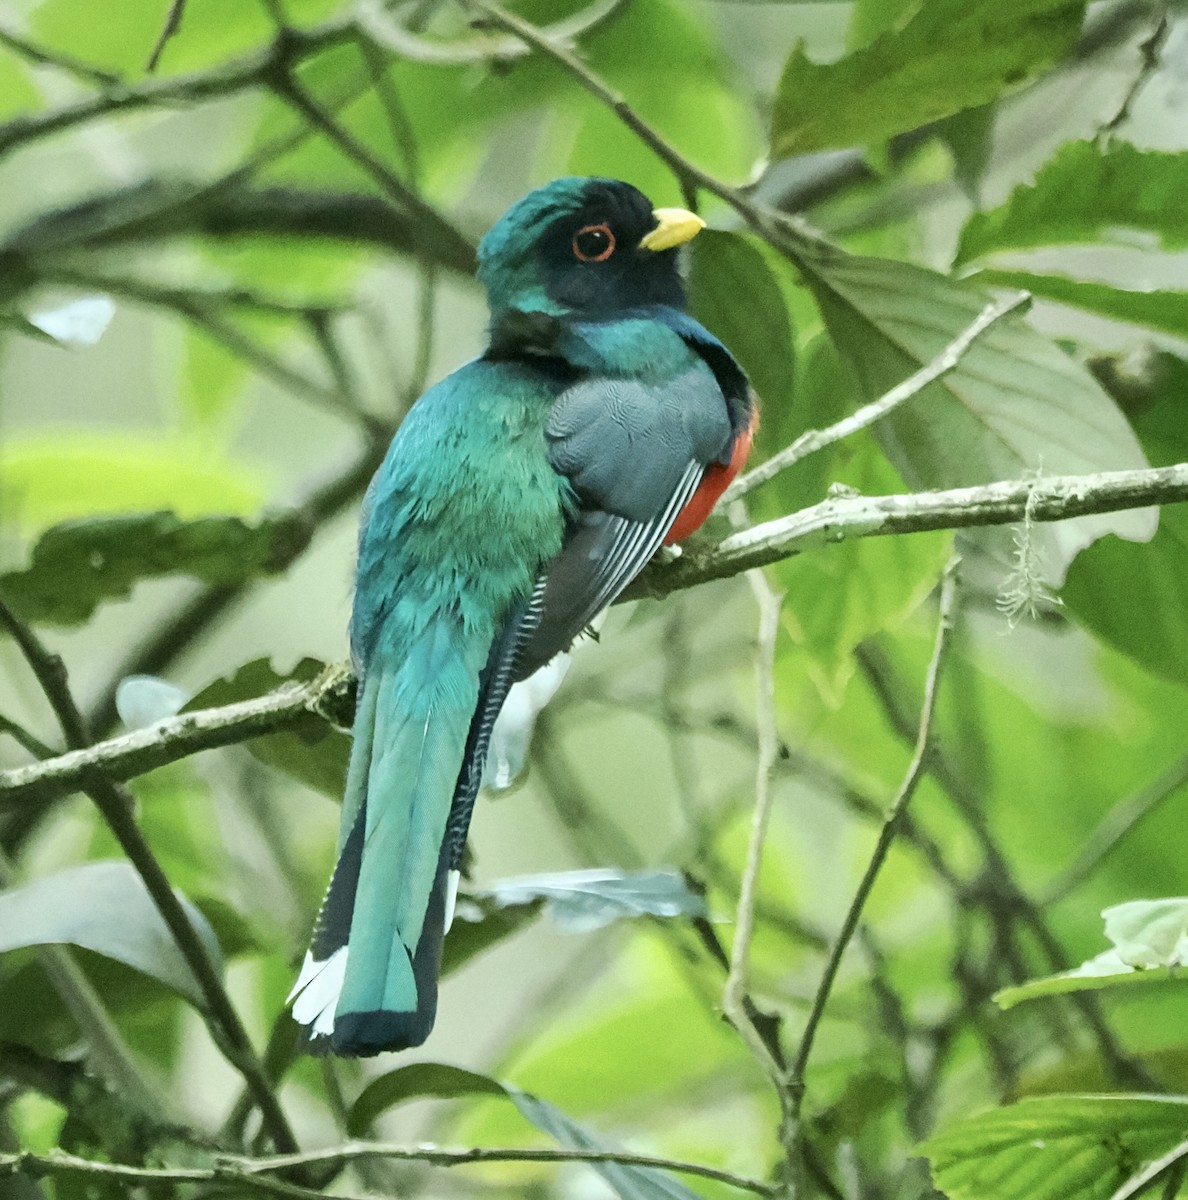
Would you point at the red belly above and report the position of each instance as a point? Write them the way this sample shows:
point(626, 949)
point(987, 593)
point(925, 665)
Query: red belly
point(713, 483)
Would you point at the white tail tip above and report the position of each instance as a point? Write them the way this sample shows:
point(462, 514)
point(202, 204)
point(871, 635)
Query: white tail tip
point(453, 878)
point(317, 990)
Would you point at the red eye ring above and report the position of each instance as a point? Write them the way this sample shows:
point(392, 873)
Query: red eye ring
point(594, 243)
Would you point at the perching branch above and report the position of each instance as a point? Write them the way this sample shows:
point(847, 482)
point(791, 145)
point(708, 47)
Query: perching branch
point(143, 750)
point(256, 1174)
point(1054, 498)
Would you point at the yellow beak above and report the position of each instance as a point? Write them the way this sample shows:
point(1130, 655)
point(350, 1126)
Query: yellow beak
point(674, 227)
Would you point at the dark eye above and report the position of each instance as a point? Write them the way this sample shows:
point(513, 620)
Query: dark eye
point(594, 243)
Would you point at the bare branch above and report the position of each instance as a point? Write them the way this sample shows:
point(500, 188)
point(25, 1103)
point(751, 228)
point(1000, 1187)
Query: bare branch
point(242, 74)
point(143, 750)
point(44, 57)
point(891, 824)
point(388, 34)
point(1115, 825)
point(172, 24)
point(1052, 499)
point(1055, 498)
point(734, 994)
point(255, 1173)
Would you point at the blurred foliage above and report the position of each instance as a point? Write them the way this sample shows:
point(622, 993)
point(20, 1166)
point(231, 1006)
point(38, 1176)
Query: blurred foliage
point(223, 281)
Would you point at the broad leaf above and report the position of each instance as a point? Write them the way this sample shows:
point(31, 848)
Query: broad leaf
point(1055, 1147)
point(580, 901)
point(951, 55)
point(734, 294)
point(76, 566)
point(312, 751)
point(1015, 405)
point(104, 907)
point(1162, 310)
point(1084, 194)
point(418, 1081)
point(77, 473)
point(1106, 582)
point(630, 1183)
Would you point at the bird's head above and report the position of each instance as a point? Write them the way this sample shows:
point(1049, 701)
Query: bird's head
point(584, 247)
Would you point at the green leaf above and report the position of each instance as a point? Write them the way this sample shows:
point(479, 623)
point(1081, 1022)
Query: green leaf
point(630, 1183)
point(1015, 405)
point(17, 91)
point(1155, 309)
point(1055, 1147)
point(1085, 193)
point(581, 901)
point(312, 751)
point(76, 566)
point(416, 1082)
point(1102, 585)
point(951, 55)
point(104, 907)
point(969, 135)
point(1105, 970)
point(734, 294)
point(74, 473)
point(873, 584)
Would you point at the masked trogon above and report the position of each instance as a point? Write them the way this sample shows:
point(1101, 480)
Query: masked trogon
point(519, 497)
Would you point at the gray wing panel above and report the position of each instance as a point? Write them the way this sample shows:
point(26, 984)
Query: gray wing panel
point(602, 555)
point(625, 444)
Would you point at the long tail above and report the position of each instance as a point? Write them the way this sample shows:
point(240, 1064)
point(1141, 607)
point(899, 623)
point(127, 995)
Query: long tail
point(369, 981)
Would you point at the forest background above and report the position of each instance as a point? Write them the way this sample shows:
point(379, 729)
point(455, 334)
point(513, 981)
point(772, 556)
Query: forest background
point(800, 889)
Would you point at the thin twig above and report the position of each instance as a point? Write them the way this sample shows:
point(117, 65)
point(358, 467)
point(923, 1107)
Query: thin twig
point(690, 176)
point(816, 439)
point(19, 734)
point(1150, 49)
point(242, 74)
point(917, 768)
point(108, 1055)
point(1141, 1181)
point(172, 24)
point(375, 20)
point(256, 1173)
point(408, 198)
point(998, 892)
point(734, 994)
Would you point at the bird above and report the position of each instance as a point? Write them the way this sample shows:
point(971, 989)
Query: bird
point(519, 496)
